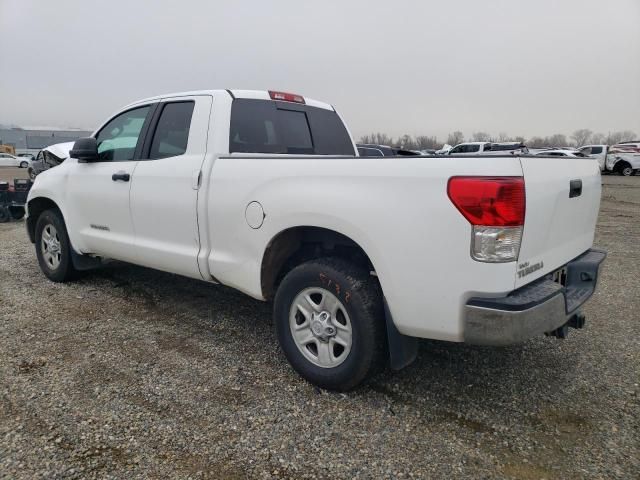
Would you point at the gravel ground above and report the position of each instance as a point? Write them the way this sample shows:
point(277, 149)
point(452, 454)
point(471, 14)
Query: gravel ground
point(131, 373)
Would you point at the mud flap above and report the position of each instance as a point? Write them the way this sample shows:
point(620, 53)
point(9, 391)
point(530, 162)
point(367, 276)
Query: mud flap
point(403, 349)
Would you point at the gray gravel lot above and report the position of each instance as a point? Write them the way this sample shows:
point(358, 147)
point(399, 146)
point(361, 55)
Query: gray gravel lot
point(132, 373)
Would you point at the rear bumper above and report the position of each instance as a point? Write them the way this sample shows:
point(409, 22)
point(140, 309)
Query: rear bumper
point(539, 307)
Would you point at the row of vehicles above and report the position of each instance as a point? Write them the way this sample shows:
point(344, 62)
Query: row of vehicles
point(265, 192)
point(622, 158)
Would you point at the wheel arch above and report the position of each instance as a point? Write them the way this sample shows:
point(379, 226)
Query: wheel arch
point(294, 245)
point(35, 207)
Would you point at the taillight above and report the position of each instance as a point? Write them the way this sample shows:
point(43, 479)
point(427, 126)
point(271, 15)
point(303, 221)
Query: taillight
point(495, 207)
point(286, 97)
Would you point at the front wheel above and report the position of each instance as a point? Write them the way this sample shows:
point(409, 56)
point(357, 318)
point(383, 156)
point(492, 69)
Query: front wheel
point(329, 319)
point(32, 174)
point(53, 248)
point(24, 164)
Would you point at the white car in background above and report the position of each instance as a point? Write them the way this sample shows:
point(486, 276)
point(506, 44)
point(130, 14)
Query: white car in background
point(624, 158)
point(596, 151)
point(558, 152)
point(488, 148)
point(8, 160)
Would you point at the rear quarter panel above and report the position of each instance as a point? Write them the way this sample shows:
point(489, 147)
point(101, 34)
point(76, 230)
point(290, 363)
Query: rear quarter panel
point(396, 209)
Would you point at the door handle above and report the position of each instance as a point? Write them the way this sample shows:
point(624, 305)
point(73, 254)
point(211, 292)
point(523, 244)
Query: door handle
point(120, 176)
point(575, 188)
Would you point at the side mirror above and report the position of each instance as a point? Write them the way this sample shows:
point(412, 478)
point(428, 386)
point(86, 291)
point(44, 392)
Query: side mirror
point(85, 150)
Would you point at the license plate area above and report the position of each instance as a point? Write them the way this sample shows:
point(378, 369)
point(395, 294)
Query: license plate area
point(560, 276)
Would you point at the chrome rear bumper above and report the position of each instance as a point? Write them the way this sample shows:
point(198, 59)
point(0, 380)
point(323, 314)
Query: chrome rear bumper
point(543, 306)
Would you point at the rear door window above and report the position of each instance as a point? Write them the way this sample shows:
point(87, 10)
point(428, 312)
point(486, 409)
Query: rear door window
point(263, 126)
point(172, 131)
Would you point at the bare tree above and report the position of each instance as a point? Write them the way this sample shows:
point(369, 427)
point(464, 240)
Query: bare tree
point(377, 139)
point(536, 142)
point(481, 137)
point(582, 136)
point(423, 142)
point(617, 137)
point(557, 140)
point(504, 137)
point(406, 141)
point(597, 138)
point(455, 138)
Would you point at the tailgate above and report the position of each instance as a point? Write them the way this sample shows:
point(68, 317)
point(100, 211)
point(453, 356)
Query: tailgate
point(560, 221)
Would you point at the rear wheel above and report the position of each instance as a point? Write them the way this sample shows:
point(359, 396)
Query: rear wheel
point(625, 169)
point(24, 164)
point(329, 320)
point(53, 248)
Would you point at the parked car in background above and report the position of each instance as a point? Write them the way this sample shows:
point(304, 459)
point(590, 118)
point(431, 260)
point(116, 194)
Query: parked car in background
point(48, 157)
point(28, 156)
point(8, 160)
point(596, 151)
point(560, 153)
point(489, 148)
point(624, 158)
point(372, 150)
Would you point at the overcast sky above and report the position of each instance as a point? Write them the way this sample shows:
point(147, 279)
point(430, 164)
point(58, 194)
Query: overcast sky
point(525, 67)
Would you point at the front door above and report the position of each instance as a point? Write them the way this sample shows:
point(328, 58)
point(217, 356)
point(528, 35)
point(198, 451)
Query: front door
point(99, 211)
point(164, 192)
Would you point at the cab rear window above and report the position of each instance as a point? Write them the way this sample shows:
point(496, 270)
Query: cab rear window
point(264, 126)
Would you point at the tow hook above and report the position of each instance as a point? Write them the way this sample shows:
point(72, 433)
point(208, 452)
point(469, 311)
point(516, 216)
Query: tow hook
point(576, 321)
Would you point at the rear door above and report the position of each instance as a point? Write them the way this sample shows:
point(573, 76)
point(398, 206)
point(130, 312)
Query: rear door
point(164, 190)
point(562, 203)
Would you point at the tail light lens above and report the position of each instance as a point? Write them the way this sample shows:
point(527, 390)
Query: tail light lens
point(495, 207)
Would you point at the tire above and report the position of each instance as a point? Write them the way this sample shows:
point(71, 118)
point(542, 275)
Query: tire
point(24, 164)
point(625, 169)
point(54, 259)
point(5, 216)
point(32, 174)
point(16, 212)
point(344, 307)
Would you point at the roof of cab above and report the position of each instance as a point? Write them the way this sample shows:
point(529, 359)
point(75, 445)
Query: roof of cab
point(255, 94)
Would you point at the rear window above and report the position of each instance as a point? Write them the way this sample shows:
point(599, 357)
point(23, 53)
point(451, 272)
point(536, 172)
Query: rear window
point(264, 126)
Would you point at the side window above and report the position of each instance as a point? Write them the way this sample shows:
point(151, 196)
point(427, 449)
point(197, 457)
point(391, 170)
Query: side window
point(594, 150)
point(473, 148)
point(118, 139)
point(487, 147)
point(457, 149)
point(172, 131)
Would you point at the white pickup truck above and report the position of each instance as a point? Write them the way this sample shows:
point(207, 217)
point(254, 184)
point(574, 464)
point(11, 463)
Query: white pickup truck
point(264, 192)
